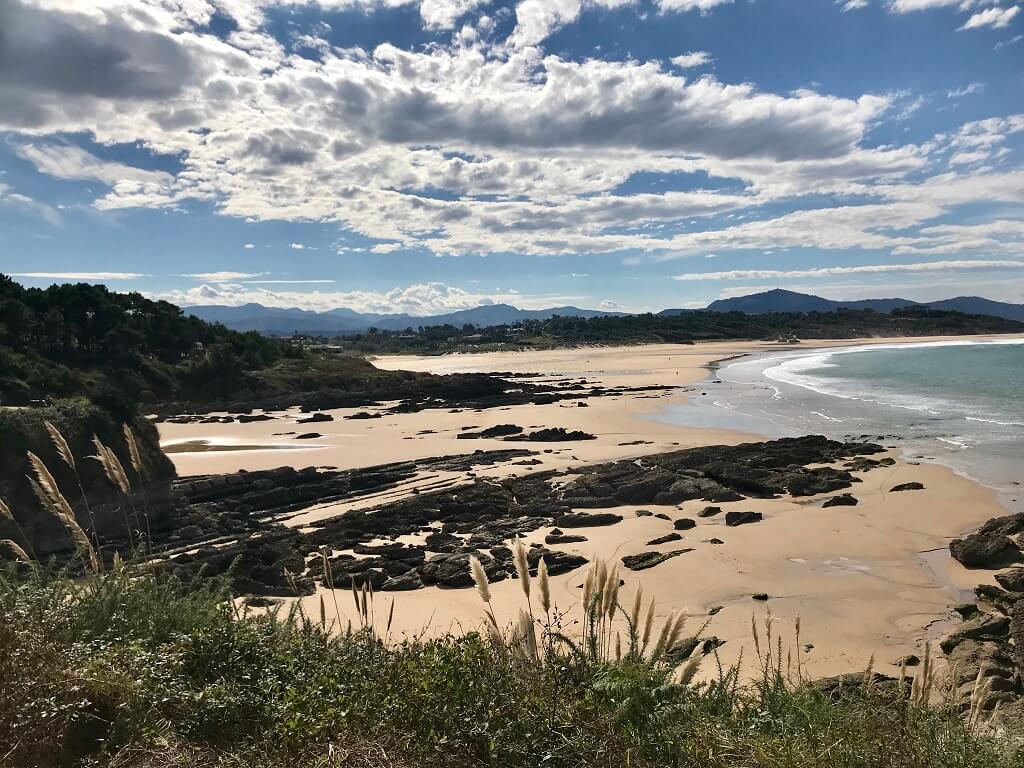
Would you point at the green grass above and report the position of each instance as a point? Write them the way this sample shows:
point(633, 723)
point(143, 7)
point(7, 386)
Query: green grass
point(136, 670)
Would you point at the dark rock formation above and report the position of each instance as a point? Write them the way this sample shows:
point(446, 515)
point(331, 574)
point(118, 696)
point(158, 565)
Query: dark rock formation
point(1012, 580)
point(580, 520)
point(990, 546)
point(709, 512)
point(315, 418)
point(684, 524)
point(733, 519)
point(645, 560)
point(664, 539)
point(842, 500)
point(501, 430)
point(914, 486)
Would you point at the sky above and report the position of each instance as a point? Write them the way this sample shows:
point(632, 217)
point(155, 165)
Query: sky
point(423, 156)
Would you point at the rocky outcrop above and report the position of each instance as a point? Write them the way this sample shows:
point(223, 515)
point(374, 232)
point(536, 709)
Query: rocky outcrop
point(990, 546)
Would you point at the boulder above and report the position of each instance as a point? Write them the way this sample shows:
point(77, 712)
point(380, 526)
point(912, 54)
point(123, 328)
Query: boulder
point(407, 581)
point(733, 519)
point(842, 500)
point(914, 486)
point(990, 546)
point(984, 626)
point(685, 524)
point(563, 538)
point(709, 512)
point(1012, 580)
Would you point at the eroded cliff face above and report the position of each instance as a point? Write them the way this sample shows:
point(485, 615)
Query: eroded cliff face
point(114, 516)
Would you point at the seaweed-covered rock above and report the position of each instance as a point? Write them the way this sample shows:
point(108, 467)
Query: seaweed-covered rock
point(664, 539)
point(645, 560)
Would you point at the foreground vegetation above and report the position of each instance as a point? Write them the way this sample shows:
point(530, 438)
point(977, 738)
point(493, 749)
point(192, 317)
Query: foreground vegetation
point(684, 328)
point(131, 669)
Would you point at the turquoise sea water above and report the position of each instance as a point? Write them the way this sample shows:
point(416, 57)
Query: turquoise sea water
point(960, 404)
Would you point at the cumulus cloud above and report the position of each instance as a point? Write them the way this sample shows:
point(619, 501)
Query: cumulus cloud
point(997, 18)
point(529, 150)
point(692, 59)
point(968, 90)
point(418, 300)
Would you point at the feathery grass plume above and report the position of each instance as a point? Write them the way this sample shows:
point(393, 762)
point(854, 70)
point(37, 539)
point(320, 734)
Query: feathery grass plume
point(391, 616)
point(756, 634)
point(675, 632)
point(527, 636)
point(634, 615)
point(618, 646)
point(479, 575)
point(869, 674)
point(979, 698)
point(588, 588)
point(58, 506)
point(648, 625)
point(901, 680)
point(544, 586)
point(9, 550)
point(6, 513)
point(133, 451)
point(323, 613)
point(689, 669)
point(112, 467)
point(666, 630)
point(61, 444)
point(522, 565)
point(612, 590)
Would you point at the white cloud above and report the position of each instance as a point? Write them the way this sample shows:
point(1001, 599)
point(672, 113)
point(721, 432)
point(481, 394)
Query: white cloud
point(692, 59)
point(1012, 41)
point(250, 246)
point(297, 246)
point(852, 5)
point(11, 199)
point(690, 5)
point(87, 277)
point(997, 18)
point(968, 90)
point(420, 299)
point(223, 277)
point(864, 269)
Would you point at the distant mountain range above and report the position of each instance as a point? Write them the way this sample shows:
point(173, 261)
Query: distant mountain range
point(284, 322)
point(779, 300)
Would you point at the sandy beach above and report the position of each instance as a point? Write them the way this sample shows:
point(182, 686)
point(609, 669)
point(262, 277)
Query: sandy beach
point(875, 579)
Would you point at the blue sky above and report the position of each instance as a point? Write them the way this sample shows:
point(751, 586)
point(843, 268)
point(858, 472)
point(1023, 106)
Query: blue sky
point(428, 155)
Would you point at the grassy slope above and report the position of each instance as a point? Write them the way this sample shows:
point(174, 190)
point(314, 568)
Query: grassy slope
point(121, 671)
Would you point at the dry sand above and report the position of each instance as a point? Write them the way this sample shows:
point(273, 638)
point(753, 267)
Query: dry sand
point(871, 579)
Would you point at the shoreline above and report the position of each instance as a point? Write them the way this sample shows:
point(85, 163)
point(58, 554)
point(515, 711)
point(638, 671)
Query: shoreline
point(859, 577)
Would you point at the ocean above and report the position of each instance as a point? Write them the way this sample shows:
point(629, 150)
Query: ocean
point(956, 403)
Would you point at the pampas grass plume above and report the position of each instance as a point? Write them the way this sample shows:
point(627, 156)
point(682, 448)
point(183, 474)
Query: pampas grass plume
point(522, 565)
point(60, 444)
point(544, 585)
point(480, 578)
point(11, 551)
